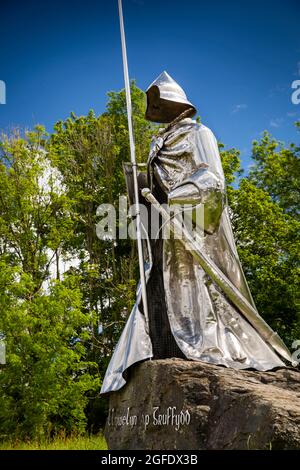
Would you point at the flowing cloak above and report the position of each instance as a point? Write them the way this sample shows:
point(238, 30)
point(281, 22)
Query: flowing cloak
point(204, 324)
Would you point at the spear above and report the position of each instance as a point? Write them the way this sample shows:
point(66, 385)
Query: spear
point(133, 163)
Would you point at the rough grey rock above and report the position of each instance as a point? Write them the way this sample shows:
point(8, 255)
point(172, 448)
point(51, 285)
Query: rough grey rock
point(179, 404)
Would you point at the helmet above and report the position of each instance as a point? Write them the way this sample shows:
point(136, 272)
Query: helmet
point(166, 100)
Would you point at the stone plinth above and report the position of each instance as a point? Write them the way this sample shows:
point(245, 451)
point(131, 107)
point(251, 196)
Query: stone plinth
point(178, 404)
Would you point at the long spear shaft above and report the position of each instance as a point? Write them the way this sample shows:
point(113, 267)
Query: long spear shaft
point(133, 163)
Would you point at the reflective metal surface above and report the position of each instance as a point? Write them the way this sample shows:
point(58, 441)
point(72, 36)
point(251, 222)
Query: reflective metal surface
point(141, 176)
point(166, 100)
point(193, 245)
point(206, 325)
point(203, 192)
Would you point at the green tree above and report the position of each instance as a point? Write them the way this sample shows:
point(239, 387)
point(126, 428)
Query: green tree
point(265, 217)
point(89, 152)
point(60, 328)
point(45, 381)
point(276, 169)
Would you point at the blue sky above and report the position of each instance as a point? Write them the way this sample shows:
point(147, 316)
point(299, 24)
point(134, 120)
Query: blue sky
point(235, 59)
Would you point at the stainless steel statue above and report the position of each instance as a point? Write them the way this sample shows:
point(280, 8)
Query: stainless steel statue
point(199, 303)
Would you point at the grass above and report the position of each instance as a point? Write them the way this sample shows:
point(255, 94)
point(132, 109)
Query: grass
point(96, 442)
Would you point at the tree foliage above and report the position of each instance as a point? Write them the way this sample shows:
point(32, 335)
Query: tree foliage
point(89, 152)
point(46, 377)
point(265, 216)
point(65, 294)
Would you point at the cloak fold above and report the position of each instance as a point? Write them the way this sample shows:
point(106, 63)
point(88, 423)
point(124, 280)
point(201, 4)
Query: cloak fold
point(197, 321)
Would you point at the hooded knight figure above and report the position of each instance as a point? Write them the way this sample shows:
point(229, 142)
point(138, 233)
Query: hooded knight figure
point(189, 315)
